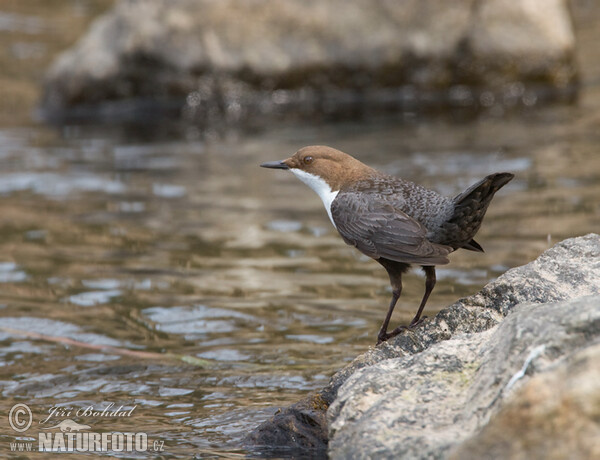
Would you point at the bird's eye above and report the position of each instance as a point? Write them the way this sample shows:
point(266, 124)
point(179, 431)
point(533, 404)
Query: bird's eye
point(308, 160)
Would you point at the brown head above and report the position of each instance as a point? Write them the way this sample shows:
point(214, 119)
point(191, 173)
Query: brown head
point(332, 166)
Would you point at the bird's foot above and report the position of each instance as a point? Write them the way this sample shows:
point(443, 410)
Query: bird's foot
point(382, 337)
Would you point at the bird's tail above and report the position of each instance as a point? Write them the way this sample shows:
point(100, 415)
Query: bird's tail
point(470, 207)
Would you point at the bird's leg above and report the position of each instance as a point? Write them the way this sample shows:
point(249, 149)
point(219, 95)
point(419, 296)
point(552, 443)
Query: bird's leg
point(396, 291)
point(429, 285)
point(394, 270)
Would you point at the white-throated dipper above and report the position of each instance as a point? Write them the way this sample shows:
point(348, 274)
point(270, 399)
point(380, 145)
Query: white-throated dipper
point(392, 220)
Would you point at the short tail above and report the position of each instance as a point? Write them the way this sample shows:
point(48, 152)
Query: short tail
point(470, 207)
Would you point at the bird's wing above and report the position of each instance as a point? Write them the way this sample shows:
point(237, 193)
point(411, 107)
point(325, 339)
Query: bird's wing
point(378, 229)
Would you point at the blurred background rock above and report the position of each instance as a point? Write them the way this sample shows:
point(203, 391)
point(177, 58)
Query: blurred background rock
point(236, 59)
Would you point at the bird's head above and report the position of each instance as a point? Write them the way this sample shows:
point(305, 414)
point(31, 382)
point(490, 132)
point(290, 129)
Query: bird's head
point(319, 166)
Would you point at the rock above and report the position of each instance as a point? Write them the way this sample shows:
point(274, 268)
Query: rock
point(235, 58)
point(554, 415)
point(466, 354)
point(297, 429)
point(421, 406)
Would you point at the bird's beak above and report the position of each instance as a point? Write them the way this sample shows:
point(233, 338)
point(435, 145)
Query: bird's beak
point(275, 165)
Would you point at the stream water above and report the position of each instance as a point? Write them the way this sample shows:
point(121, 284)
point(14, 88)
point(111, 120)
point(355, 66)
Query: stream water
point(225, 280)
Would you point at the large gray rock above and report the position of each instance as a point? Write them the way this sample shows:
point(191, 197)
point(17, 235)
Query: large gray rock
point(232, 57)
point(554, 415)
point(467, 354)
point(421, 406)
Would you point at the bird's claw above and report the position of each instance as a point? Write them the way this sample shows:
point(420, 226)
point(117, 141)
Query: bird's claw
point(388, 335)
point(384, 336)
point(414, 323)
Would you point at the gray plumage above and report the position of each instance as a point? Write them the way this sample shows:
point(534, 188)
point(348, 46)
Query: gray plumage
point(388, 217)
point(377, 220)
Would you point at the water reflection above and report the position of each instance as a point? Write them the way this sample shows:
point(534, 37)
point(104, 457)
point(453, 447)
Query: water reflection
point(10, 273)
point(55, 185)
point(91, 298)
point(191, 321)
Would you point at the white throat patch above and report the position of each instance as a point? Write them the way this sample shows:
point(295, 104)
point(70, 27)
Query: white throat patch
point(321, 187)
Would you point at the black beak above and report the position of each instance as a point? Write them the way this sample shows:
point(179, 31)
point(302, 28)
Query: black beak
point(274, 165)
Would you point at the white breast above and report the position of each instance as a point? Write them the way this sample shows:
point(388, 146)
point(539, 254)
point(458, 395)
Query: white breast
point(321, 187)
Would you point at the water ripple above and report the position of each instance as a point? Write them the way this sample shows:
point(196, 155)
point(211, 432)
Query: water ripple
point(92, 298)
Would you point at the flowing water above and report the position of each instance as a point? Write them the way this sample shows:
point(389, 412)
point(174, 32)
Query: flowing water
point(164, 271)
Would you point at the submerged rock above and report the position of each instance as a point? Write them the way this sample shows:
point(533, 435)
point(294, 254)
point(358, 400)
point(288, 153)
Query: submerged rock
point(236, 58)
point(458, 377)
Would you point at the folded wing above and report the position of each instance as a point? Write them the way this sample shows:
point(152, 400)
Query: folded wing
point(379, 229)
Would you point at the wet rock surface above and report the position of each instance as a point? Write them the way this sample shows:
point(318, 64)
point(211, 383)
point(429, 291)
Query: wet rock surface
point(467, 364)
point(295, 430)
point(232, 59)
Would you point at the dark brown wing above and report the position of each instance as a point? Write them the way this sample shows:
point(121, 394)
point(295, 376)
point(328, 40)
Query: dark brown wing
point(378, 229)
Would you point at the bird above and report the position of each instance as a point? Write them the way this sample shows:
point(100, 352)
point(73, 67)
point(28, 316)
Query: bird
point(392, 220)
